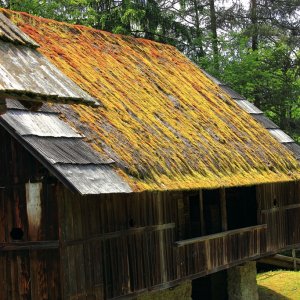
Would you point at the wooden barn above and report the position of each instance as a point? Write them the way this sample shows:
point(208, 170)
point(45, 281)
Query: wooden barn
point(126, 172)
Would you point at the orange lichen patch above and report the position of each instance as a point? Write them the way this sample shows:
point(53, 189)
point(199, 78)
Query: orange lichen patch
point(164, 122)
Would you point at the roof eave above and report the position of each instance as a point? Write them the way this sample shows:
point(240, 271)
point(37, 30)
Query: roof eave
point(9, 32)
point(47, 165)
point(28, 96)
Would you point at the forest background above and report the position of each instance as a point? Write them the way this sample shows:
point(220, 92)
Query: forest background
point(252, 45)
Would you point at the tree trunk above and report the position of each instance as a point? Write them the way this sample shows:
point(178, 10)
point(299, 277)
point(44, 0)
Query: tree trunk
point(253, 8)
point(254, 36)
point(199, 35)
point(213, 26)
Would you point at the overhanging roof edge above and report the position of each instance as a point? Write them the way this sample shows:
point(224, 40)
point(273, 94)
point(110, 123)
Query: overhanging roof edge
point(55, 171)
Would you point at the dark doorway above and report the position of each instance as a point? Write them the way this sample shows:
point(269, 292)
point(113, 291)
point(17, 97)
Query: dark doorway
point(241, 207)
point(195, 215)
point(210, 287)
point(212, 211)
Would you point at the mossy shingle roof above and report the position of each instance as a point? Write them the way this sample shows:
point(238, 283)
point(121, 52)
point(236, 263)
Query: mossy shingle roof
point(163, 121)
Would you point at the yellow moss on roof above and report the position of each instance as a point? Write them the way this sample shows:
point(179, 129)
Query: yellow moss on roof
point(164, 122)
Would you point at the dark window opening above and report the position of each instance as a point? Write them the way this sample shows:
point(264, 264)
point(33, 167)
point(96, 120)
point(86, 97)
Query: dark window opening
point(195, 215)
point(17, 234)
point(205, 214)
point(212, 211)
point(241, 207)
point(202, 213)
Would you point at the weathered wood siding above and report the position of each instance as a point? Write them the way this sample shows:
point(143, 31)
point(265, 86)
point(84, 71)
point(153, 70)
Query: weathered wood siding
point(112, 244)
point(279, 208)
point(116, 245)
point(26, 272)
point(107, 246)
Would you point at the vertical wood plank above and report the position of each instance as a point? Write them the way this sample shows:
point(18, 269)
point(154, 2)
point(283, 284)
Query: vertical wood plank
point(162, 245)
point(39, 288)
point(34, 210)
point(202, 221)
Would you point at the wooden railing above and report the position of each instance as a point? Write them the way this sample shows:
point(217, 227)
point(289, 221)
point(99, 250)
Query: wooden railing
point(207, 253)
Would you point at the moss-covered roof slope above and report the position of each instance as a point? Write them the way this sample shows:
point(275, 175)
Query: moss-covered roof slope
point(163, 121)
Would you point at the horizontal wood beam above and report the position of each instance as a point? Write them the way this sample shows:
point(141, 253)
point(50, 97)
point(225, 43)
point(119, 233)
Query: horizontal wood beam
point(281, 261)
point(286, 207)
point(30, 245)
point(280, 257)
point(219, 235)
point(28, 96)
point(116, 234)
point(282, 249)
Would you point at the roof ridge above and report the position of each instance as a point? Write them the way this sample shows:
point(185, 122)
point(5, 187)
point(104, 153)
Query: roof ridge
point(82, 27)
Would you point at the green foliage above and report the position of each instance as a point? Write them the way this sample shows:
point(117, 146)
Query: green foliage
point(270, 78)
point(73, 11)
point(141, 18)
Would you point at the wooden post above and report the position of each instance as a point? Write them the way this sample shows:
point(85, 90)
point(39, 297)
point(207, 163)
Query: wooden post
point(161, 237)
point(181, 219)
point(294, 259)
point(202, 221)
point(223, 209)
point(63, 256)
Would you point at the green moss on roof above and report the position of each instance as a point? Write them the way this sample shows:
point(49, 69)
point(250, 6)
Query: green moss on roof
point(164, 122)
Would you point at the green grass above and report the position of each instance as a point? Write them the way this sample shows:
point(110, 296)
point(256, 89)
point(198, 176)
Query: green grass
point(280, 285)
